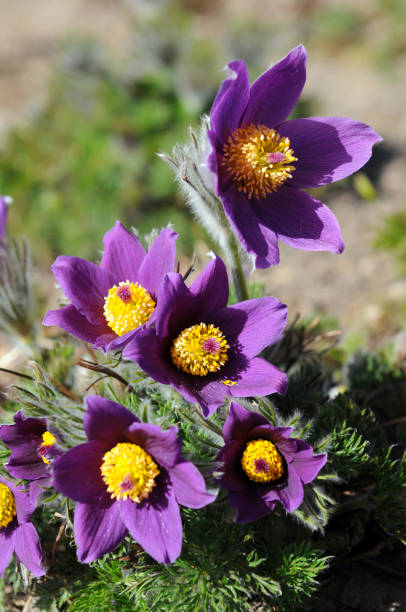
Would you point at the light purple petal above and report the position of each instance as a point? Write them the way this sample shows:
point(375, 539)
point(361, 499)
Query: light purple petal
point(189, 485)
point(159, 260)
point(211, 287)
point(98, 529)
point(240, 421)
point(106, 421)
point(250, 507)
point(28, 548)
point(255, 236)
point(38, 489)
point(7, 542)
point(163, 446)
point(85, 284)
point(146, 350)
point(230, 102)
point(3, 216)
point(274, 94)
point(305, 464)
point(77, 473)
point(301, 221)
point(25, 506)
point(123, 254)
point(259, 378)
point(70, 319)
point(327, 148)
point(291, 496)
point(155, 524)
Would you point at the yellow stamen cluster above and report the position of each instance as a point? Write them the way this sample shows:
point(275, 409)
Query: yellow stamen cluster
point(127, 306)
point(129, 472)
point(261, 461)
point(47, 440)
point(200, 349)
point(258, 159)
point(7, 505)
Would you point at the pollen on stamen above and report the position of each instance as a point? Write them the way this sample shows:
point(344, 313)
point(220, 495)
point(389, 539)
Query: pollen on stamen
point(258, 159)
point(200, 350)
point(7, 505)
point(261, 461)
point(127, 306)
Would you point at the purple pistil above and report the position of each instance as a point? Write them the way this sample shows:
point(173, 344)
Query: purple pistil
point(261, 465)
point(127, 484)
point(210, 345)
point(124, 293)
point(274, 158)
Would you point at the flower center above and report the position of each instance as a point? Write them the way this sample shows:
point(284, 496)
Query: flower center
point(200, 349)
point(258, 159)
point(48, 440)
point(261, 461)
point(127, 306)
point(7, 505)
point(129, 472)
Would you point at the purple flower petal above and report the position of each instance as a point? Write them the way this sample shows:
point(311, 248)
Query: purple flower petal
point(301, 221)
point(275, 93)
point(249, 506)
point(28, 548)
point(106, 421)
point(23, 430)
point(3, 216)
point(98, 529)
point(259, 378)
point(189, 485)
point(164, 446)
point(230, 102)
point(155, 523)
point(77, 473)
point(232, 477)
point(328, 148)
point(7, 543)
point(159, 260)
point(175, 302)
point(85, 284)
point(240, 421)
point(147, 350)
point(24, 505)
point(305, 464)
point(211, 286)
point(38, 489)
point(123, 254)
point(70, 319)
point(291, 496)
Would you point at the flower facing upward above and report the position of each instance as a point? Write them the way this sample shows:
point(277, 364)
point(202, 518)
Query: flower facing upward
point(262, 465)
point(262, 161)
point(206, 350)
point(129, 478)
point(17, 534)
point(110, 302)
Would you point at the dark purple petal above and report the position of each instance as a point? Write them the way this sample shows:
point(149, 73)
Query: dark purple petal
point(7, 542)
point(28, 466)
point(3, 216)
point(106, 421)
point(209, 393)
point(98, 529)
point(28, 548)
point(232, 477)
point(25, 506)
point(250, 507)
point(189, 485)
point(77, 473)
point(123, 254)
point(274, 94)
point(255, 236)
point(163, 446)
point(24, 430)
point(327, 148)
point(259, 378)
point(159, 260)
point(290, 496)
point(175, 303)
point(305, 464)
point(230, 102)
point(155, 523)
point(70, 319)
point(147, 350)
point(264, 324)
point(240, 421)
point(211, 287)
point(85, 284)
point(301, 221)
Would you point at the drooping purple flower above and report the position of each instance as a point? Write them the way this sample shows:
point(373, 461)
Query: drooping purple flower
point(17, 533)
point(206, 350)
point(111, 302)
point(263, 161)
point(262, 465)
point(129, 478)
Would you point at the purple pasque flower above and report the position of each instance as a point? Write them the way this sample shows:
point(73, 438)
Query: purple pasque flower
point(111, 302)
point(263, 161)
point(129, 478)
point(17, 533)
point(262, 465)
point(206, 350)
